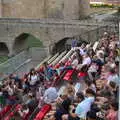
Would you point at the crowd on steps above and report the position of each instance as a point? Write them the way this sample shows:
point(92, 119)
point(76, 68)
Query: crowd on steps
point(82, 85)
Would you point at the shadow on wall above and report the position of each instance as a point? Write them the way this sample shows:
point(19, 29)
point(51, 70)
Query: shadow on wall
point(59, 46)
point(25, 41)
point(3, 49)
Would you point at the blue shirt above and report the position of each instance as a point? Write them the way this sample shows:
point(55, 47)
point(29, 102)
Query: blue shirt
point(84, 107)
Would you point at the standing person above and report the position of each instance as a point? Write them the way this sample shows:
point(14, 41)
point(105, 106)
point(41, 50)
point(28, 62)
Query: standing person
point(33, 77)
point(74, 43)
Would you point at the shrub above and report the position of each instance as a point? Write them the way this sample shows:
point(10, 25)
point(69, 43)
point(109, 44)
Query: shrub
point(102, 5)
point(119, 10)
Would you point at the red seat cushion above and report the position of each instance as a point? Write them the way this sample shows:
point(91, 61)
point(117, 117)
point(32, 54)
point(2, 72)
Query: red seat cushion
point(9, 116)
point(68, 75)
point(82, 74)
point(5, 110)
point(45, 109)
point(57, 66)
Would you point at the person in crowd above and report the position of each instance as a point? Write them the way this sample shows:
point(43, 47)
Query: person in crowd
point(69, 89)
point(95, 98)
point(48, 71)
point(24, 111)
point(112, 112)
point(113, 76)
point(63, 109)
point(82, 75)
point(83, 107)
point(33, 77)
point(50, 95)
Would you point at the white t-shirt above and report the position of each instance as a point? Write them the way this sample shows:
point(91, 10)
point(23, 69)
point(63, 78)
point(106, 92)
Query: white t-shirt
point(10, 91)
point(33, 79)
point(100, 51)
point(82, 52)
point(86, 61)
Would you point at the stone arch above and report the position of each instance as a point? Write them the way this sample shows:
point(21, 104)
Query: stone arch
point(24, 41)
point(19, 42)
point(3, 49)
point(59, 46)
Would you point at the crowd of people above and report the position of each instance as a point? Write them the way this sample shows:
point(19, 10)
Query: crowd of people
point(92, 94)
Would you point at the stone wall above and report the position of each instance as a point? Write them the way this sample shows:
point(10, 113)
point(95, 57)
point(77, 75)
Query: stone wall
point(71, 9)
point(49, 31)
point(23, 9)
point(61, 9)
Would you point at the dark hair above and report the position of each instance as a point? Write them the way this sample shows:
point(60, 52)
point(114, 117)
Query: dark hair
point(25, 106)
point(79, 56)
point(88, 82)
point(84, 68)
point(112, 71)
point(90, 91)
point(80, 95)
point(112, 84)
point(71, 82)
point(114, 105)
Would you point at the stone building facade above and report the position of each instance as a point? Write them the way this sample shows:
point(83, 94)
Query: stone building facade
point(63, 9)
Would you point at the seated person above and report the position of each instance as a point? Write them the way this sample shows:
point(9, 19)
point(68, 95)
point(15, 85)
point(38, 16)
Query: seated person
point(50, 95)
point(63, 109)
point(48, 71)
point(82, 108)
point(112, 112)
point(24, 111)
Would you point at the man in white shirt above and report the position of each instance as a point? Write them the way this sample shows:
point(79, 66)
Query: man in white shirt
point(86, 60)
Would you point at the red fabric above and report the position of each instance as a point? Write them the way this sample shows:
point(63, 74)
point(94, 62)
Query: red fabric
point(12, 97)
point(19, 106)
point(26, 116)
point(12, 113)
point(9, 116)
point(67, 63)
point(5, 110)
point(57, 66)
point(82, 74)
point(68, 75)
point(45, 109)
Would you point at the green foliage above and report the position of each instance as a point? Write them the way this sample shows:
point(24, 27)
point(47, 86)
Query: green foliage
point(102, 6)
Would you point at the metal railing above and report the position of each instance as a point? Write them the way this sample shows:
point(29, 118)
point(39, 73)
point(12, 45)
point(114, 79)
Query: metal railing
point(34, 55)
point(12, 64)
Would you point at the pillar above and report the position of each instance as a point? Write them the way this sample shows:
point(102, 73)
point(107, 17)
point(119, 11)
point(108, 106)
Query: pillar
point(10, 48)
point(0, 8)
point(84, 8)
